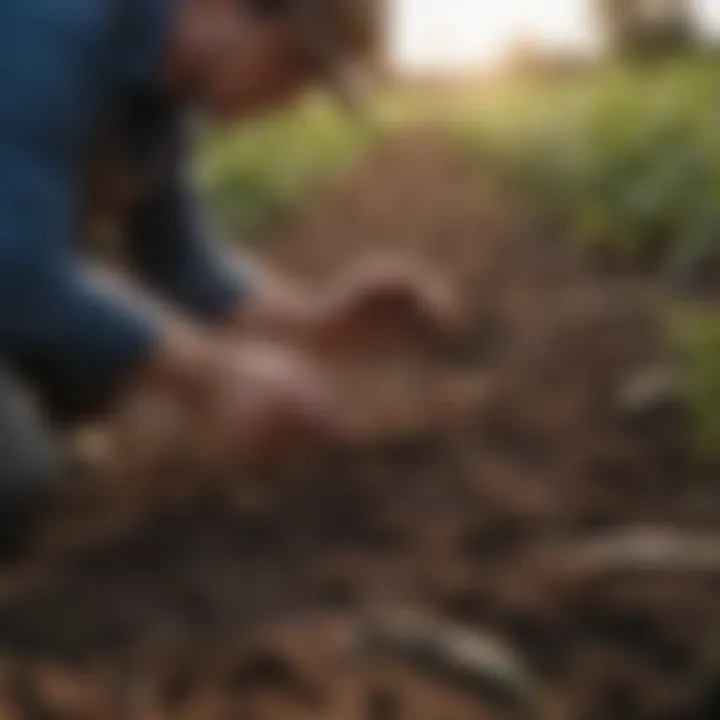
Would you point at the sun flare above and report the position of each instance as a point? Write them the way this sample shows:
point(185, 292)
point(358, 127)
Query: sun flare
point(454, 34)
point(458, 34)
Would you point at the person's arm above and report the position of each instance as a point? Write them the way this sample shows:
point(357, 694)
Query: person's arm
point(174, 250)
point(56, 319)
point(52, 312)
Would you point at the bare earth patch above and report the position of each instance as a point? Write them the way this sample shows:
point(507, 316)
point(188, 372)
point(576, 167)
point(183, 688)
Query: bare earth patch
point(472, 503)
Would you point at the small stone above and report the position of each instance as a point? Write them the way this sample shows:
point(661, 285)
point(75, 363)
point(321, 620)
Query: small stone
point(649, 390)
point(458, 652)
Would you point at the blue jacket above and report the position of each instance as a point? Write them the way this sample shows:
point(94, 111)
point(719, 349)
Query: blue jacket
point(62, 63)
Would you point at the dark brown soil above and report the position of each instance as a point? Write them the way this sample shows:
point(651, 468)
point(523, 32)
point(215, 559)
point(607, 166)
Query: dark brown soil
point(483, 469)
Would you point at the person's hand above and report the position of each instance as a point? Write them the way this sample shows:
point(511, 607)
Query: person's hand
point(386, 303)
point(380, 304)
point(268, 400)
point(216, 406)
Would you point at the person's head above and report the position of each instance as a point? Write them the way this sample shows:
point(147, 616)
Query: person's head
point(237, 57)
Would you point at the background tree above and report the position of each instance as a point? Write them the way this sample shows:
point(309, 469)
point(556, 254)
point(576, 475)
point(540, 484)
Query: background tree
point(648, 27)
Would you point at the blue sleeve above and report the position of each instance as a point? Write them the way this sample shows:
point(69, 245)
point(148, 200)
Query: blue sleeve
point(52, 312)
point(174, 251)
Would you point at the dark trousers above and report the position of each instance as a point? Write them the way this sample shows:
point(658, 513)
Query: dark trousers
point(30, 466)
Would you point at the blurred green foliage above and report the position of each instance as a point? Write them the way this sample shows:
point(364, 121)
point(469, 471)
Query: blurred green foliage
point(269, 166)
point(696, 333)
point(631, 157)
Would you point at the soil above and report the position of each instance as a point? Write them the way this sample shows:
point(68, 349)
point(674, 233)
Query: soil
point(484, 469)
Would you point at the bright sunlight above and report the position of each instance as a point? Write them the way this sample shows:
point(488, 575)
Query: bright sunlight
point(457, 34)
point(449, 35)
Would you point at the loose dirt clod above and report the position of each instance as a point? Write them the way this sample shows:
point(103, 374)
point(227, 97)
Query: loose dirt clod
point(649, 390)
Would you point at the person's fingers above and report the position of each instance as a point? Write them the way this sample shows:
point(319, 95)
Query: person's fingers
point(394, 301)
point(276, 401)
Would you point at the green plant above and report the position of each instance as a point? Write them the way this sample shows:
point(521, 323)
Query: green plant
point(696, 335)
point(268, 167)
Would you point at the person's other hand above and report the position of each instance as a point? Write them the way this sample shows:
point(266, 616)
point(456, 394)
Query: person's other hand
point(268, 400)
point(387, 303)
point(217, 405)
